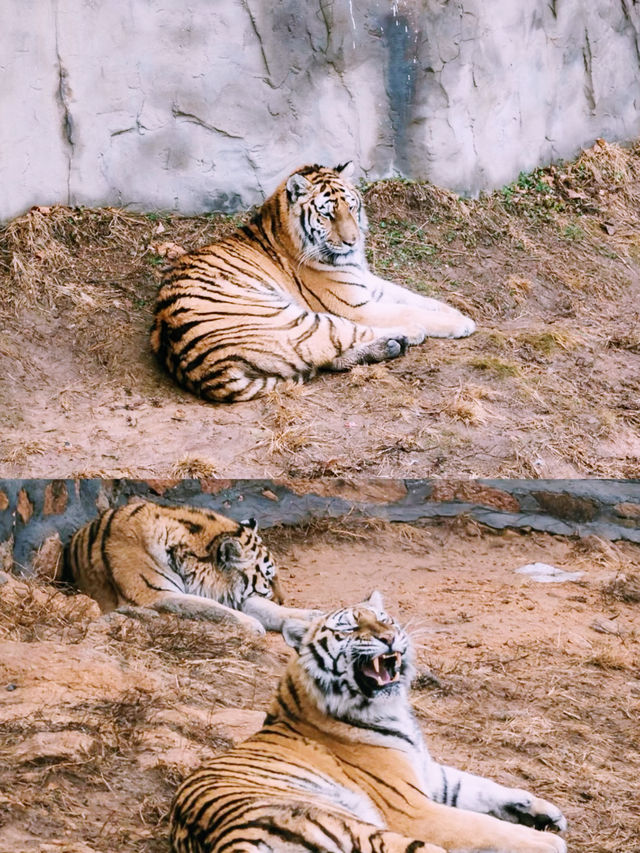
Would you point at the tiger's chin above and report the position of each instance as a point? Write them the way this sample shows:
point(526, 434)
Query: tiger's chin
point(380, 675)
point(337, 256)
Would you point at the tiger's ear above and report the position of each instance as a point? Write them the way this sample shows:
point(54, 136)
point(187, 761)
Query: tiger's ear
point(345, 169)
point(229, 552)
point(251, 523)
point(293, 632)
point(375, 600)
point(297, 186)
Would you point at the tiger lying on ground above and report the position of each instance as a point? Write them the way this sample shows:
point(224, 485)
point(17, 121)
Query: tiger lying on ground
point(340, 765)
point(287, 295)
point(183, 560)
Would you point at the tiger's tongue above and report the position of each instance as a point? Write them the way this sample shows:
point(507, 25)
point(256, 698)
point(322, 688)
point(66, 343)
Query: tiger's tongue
point(382, 675)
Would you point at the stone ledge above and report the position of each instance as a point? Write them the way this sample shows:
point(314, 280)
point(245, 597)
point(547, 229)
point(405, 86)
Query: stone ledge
point(35, 515)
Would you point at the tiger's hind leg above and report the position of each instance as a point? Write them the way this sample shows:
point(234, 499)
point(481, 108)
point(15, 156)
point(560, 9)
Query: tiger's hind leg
point(304, 830)
point(233, 383)
point(288, 349)
point(381, 349)
point(210, 818)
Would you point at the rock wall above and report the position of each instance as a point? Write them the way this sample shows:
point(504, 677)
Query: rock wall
point(207, 105)
point(36, 515)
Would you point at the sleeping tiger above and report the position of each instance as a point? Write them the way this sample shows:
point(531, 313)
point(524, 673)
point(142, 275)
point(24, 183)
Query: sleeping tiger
point(340, 765)
point(183, 560)
point(287, 295)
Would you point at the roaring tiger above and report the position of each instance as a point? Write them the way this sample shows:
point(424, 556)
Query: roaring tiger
point(179, 559)
point(286, 295)
point(340, 765)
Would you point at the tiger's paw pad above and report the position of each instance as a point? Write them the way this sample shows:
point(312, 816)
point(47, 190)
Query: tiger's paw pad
point(397, 347)
point(535, 812)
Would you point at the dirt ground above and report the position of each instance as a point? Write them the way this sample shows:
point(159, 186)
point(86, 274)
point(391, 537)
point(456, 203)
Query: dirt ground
point(549, 386)
point(532, 684)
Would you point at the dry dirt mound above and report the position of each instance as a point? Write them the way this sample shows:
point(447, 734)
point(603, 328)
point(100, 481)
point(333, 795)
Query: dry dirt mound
point(533, 684)
point(548, 386)
point(101, 717)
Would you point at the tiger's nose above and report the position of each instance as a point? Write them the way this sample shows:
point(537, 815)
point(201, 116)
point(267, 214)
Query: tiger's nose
point(386, 635)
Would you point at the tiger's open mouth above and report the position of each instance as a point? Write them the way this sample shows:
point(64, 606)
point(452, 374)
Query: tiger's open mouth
point(374, 674)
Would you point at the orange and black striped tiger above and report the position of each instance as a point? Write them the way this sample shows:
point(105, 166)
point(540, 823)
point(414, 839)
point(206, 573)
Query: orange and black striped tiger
point(180, 559)
point(286, 295)
point(340, 765)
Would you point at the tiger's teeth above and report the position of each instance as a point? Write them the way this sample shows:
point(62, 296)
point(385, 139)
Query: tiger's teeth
point(376, 665)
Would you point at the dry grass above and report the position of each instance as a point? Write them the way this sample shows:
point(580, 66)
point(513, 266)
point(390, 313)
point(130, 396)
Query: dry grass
point(16, 450)
point(288, 426)
point(34, 610)
point(193, 467)
point(115, 793)
point(624, 587)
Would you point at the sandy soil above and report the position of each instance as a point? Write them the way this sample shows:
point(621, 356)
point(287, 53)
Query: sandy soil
point(532, 684)
point(548, 386)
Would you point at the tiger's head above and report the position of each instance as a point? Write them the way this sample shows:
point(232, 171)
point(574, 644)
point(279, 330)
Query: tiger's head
point(352, 661)
point(243, 557)
point(222, 559)
point(326, 213)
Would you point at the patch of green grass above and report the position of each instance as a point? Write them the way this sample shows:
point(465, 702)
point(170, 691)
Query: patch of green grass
point(496, 341)
point(543, 342)
point(607, 252)
point(534, 195)
point(424, 287)
point(499, 367)
point(157, 216)
point(573, 232)
point(404, 242)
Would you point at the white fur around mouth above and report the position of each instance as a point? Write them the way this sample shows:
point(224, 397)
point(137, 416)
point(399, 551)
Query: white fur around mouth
point(384, 669)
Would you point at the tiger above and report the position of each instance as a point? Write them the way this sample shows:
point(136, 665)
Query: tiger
point(185, 560)
point(286, 295)
point(340, 764)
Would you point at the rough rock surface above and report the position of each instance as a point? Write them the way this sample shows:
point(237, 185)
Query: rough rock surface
point(605, 508)
point(205, 106)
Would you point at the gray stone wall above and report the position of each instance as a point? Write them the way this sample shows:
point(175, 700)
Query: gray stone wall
point(35, 512)
point(206, 105)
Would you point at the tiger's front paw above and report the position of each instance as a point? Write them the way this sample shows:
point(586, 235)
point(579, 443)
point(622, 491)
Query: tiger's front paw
point(454, 325)
point(464, 327)
point(445, 324)
point(533, 811)
point(248, 624)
